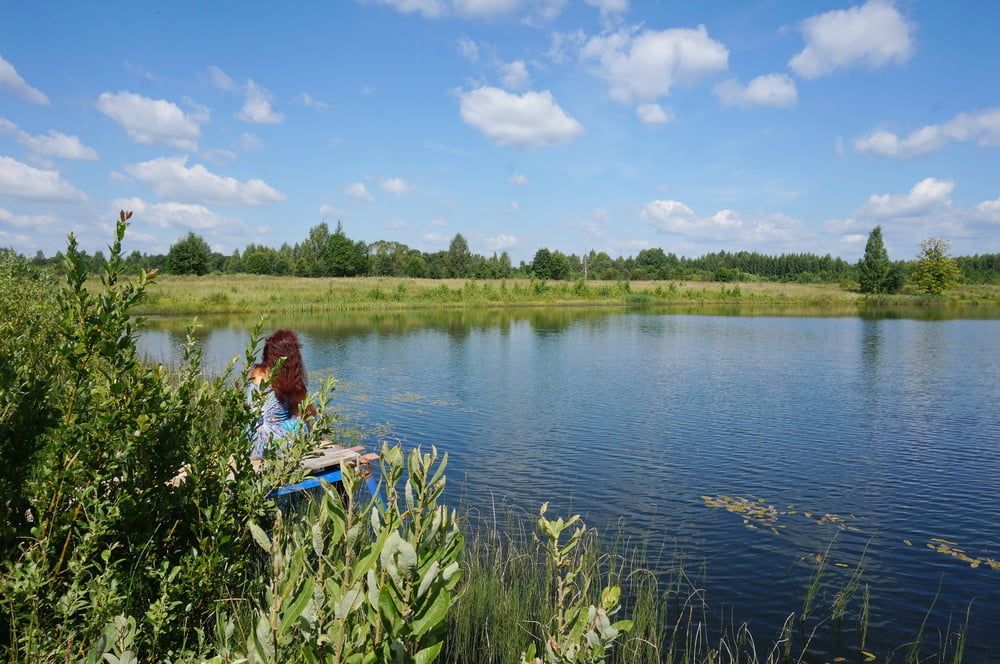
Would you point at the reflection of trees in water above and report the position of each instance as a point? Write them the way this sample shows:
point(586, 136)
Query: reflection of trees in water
point(459, 323)
point(456, 323)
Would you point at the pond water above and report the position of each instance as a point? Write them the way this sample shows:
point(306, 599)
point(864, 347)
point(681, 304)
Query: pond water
point(888, 422)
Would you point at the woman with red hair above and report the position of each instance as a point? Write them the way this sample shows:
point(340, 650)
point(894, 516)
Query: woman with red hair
point(281, 413)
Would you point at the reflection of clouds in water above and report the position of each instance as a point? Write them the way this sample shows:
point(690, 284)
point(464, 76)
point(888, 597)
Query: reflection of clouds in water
point(638, 414)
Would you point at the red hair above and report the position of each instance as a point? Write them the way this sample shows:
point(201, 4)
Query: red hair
point(289, 384)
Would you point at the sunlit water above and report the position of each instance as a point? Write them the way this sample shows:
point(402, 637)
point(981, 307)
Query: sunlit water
point(891, 423)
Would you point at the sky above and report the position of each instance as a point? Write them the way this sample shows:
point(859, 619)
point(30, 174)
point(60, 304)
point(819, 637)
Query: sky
point(612, 125)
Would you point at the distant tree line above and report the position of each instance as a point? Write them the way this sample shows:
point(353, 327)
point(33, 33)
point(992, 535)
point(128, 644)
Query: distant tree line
point(326, 253)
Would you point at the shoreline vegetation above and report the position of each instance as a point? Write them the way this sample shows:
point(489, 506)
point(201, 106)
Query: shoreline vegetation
point(246, 294)
point(134, 529)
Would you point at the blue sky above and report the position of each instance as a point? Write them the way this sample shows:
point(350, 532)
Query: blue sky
point(597, 124)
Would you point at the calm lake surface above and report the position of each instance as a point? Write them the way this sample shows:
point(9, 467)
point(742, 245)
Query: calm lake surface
point(891, 424)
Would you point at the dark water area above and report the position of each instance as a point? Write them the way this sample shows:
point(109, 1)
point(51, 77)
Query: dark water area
point(887, 424)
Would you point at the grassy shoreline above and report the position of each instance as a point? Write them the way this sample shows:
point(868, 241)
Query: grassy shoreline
point(244, 294)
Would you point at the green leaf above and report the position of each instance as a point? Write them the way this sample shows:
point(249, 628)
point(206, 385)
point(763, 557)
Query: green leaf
point(298, 604)
point(259, 536)
point(434, 614)
point(428, 654)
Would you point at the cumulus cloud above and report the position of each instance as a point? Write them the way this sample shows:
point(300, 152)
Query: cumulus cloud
point(926, 210)
point(514, 75)
point(220, 79)
point(173, 215)
point(981, 126)
point(925, 196)
point(257, 107)
point(19, 180)
point(518, 179)
point(468, 48)
point(871, 35)
point(777, 90)
point(152, 121)
point(171, 177)
point(480, 9)
point(502, 241)
point(530, 119)
point(396, 186)
point(484, 9)
point(327, 210)
point(434, 238)
point(643, 65)
point(307, 100)
point(359, 191)
point(676, 217)
point(12, 81)
point(609, 7)
point(25, 221)
point(653, 114)
point(51, 144)
point(249, 142)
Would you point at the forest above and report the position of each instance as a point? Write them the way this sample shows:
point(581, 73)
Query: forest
point(326, 253)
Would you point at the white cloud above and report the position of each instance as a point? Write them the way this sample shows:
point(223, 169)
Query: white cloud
point(563, 44)
point(675, 217)
point(437, 223)
point(537, 10)
point(777, 90)
point(257, 107)
point(518, 179)
point(249, 142)
point(502, 241)
point(327, 210)
point(221, 79)
point(51, 144)
point(928, 195)
point(981, 126)
point(468, 48)
point(307, 100)
point(171, 177)
point(118, 176)
point(359, 191)
point(152, 121)
point(484, 9)
point(609, 7)
point(434, 238)
point(644, 65)
point(854, 238)
point(428, 8)
point(514, 75)
point(221, 156)
point(515, 207)
point(990, 209)
point(872, 35)
point(19, 180)
point(531, 119)
point(544, 11)
point(12, 81)
point(29, 221)
point(396, 186)
point(172, 215)
point(654, 114)
point(595, 225)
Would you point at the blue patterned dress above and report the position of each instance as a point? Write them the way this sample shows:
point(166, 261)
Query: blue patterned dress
point(274, 422)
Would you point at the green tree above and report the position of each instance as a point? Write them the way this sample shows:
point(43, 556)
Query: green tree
point(343, 257)
point(543, 264)
point(458, 258)
point(874, 268)
point(189, 255)
point(936, 271)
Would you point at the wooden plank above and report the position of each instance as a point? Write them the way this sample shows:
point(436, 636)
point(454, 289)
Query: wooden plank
point(331, 456)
